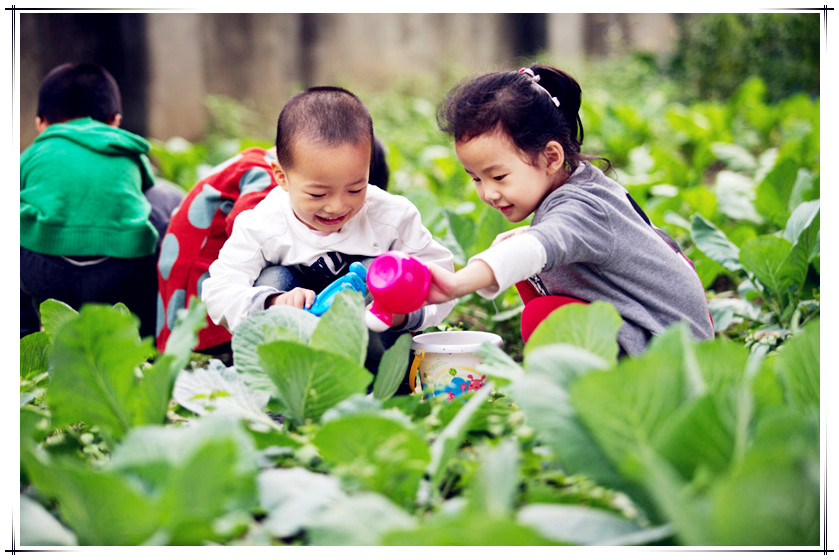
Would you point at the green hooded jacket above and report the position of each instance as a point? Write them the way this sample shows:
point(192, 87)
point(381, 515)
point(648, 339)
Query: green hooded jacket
point(81, 192)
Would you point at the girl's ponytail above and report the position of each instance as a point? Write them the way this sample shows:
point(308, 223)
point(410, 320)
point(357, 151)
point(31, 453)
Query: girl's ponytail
point(568, 92)
point(533, 107)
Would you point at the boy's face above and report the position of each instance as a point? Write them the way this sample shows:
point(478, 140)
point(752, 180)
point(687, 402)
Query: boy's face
point(327, 184)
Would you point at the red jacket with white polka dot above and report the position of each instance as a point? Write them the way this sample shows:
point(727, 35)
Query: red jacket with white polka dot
point(196, 233)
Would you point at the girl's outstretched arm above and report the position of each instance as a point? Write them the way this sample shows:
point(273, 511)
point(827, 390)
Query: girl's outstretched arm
point(447, 285)
point(514, 256)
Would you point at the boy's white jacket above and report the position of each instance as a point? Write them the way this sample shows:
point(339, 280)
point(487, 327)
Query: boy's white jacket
point(270, 234)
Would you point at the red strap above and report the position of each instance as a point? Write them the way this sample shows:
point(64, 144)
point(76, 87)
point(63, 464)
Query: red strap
point(526, 291)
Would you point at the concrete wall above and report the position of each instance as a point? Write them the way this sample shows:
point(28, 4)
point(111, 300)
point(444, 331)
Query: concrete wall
point(177, 77)
point(116, 41)
point(374, 49)
point(167, 63)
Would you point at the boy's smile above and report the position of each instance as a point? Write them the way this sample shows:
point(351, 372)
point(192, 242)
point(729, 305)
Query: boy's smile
point(329, 222)
point(327, 185)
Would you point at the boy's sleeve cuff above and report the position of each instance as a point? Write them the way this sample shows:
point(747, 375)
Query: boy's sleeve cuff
point(259, 299)
point(414, 320)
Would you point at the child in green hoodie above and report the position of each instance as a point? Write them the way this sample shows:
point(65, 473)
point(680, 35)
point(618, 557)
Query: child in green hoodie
point(90, 214)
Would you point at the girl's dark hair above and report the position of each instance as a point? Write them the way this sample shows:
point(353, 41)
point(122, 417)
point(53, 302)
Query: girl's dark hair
point(326, 114)
point(512, 103)
point(73, 91)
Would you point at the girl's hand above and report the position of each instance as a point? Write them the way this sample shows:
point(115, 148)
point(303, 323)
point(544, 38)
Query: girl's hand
point(300, 298)
point(443, 285)
point(508, 234)
point(446, 285)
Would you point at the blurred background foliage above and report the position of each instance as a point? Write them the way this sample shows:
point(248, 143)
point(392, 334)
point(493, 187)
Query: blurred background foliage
point(716, 51)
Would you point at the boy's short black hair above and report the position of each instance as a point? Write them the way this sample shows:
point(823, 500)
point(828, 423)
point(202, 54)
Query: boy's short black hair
point(73, 91)
point(326, 114)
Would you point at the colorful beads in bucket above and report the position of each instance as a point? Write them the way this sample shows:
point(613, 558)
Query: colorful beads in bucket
point(446, 363)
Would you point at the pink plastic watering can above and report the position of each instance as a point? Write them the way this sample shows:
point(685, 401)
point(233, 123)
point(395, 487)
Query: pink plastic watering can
point(399, 283)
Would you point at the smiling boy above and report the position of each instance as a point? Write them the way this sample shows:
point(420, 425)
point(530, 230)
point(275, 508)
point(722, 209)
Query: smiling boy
point(324, 217)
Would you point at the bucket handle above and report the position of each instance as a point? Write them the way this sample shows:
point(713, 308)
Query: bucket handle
point(412, 376)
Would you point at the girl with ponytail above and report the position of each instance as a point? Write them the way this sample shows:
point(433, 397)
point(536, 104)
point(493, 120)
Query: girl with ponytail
point(519, 135)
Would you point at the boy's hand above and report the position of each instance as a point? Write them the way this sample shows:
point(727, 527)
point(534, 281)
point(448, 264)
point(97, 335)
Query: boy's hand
point(300, 298)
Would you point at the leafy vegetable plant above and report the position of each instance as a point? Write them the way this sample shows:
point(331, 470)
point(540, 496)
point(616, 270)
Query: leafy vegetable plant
point(304, 446)
point(773, 269)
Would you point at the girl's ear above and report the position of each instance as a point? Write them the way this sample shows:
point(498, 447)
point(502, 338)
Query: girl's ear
point(279, 174)
point(554, 156)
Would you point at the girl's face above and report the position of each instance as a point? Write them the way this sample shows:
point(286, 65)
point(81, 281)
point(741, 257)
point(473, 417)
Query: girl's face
point(327, 185)
point(505, 178)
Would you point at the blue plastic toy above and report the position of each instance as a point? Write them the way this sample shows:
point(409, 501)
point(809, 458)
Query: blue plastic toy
point(355, 279)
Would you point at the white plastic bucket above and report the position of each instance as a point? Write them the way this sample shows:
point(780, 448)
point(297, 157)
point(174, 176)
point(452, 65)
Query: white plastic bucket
point(446, 363)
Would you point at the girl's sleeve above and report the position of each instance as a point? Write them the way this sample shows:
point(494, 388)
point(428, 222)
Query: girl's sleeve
point(578, 229)
point(513, 260)
point(575, 230)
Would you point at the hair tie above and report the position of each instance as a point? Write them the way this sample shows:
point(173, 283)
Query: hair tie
point(534, 78)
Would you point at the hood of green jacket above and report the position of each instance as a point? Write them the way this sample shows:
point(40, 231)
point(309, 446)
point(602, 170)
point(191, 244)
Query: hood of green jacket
point(97, 136)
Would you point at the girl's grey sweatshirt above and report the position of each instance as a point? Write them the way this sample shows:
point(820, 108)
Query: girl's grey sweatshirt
point(591, 244)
